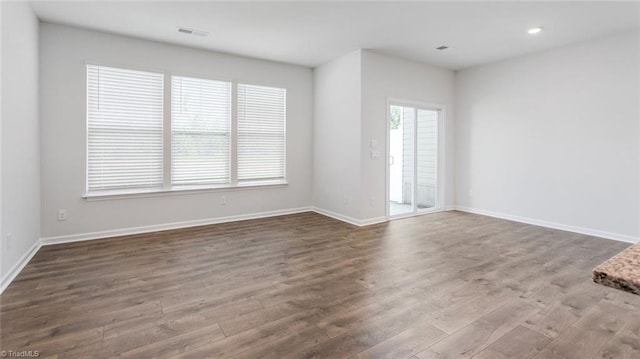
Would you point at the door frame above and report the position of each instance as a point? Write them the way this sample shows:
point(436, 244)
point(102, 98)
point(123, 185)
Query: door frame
point(440, 156)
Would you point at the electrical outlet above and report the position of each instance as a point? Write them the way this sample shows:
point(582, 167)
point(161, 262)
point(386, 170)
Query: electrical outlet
point(62, 215)
point(345, 199)
point(223, 200)
point(372, 201)
point(470, 193)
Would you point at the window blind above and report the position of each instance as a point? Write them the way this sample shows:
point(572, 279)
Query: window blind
point(124, 128)
point(200, 131)
point(261, 132)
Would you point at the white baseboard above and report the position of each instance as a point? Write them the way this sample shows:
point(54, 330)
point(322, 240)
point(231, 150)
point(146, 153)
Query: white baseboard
point(347, 219)
point(167, 226)
point(542, 223)
point(370, 221)
point(337, 216)
point(17, 268)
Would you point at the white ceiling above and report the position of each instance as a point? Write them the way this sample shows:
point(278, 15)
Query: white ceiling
point(313, 33)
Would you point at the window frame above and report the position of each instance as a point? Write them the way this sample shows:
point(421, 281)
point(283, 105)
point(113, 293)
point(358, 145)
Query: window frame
point(168, 189)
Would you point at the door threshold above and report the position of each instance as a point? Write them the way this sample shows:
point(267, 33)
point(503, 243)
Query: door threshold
point(414, 214)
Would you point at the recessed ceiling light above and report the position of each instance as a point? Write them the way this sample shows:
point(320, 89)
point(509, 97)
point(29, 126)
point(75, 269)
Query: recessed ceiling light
point(184, 30)
point(534, 30)
point(442, 47)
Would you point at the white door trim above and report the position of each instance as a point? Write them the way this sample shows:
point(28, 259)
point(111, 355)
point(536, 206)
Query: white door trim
point(440, 191)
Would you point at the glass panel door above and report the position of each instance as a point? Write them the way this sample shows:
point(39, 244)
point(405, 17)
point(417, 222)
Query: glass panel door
point(427, 159)
point(413, 160)
point(401, 158)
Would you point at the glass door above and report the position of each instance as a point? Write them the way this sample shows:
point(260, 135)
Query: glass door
point(413, 160)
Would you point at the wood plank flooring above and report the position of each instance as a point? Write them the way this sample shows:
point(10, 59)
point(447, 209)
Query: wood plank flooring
point(444, 285)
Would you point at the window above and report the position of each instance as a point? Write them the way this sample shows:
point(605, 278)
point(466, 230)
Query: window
point(208, 139)
point(200, 131)
point(261, 132)
point(124, 129)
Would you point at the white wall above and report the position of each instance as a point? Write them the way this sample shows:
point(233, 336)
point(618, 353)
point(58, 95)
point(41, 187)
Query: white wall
point(391, 77)
point(553, 137)
point(20, 169)
point(336, 136)
point(64, 53)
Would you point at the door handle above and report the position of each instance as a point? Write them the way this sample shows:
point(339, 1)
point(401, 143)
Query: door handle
point(392, 160)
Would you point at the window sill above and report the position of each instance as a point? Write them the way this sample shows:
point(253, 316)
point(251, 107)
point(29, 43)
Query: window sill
point(181, 190)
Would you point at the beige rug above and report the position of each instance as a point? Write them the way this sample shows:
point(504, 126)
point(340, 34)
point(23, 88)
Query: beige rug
point(622, 271)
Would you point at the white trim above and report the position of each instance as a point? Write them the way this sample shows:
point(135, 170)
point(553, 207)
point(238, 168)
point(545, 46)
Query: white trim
point(203, 222)
point(337, 216)
point(440, 155)
point(404, 102)
point(19, 266)
point(387, 150)
point(370, 221)
point(167, 226)
point(347, 219)
point(182, 190)
point(554, 225)
point(419, 213)
point(233, 153)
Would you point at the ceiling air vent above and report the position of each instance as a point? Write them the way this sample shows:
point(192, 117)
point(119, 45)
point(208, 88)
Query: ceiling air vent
point(184, 30)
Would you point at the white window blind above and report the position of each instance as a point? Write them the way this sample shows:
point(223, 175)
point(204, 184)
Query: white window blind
point(200, 131)
point(261, 132)
point(124, 128)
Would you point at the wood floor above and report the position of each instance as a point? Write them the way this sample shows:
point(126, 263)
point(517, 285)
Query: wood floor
point(444, 285)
